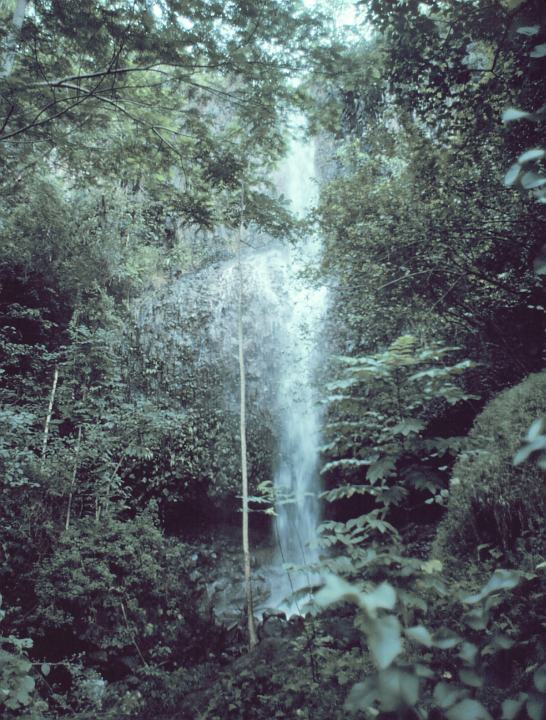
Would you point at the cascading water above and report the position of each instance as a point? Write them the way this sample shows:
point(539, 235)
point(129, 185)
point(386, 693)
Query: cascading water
point(189, 329)
point(296, 476)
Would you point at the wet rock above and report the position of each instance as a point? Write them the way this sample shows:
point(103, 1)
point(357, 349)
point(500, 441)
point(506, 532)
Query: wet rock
point(273, 625)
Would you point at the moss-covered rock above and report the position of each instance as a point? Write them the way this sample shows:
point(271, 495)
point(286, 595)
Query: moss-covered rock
point(491, 500)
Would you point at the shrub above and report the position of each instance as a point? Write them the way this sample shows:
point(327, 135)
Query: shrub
point(492, 502)
point(123, 593)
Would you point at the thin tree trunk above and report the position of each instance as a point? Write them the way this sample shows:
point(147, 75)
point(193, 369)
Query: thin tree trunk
point(49, 414)
point(252, 639)
point(73, 480)
point(11, 41)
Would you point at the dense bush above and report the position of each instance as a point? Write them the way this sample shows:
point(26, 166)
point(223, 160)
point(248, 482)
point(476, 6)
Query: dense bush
point(123, 593)
point(491, 501)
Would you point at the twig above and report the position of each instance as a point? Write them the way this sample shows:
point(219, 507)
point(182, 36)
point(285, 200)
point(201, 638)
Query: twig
point(131, 633)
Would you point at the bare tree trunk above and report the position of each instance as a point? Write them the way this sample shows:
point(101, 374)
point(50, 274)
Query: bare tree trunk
point(73, 480)
point(49, 414)
point(17, 20)
point(252, 639)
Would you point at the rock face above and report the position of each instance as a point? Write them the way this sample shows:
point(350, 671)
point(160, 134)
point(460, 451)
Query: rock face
point(491, 500)
point(187, 333)
point(186, 341)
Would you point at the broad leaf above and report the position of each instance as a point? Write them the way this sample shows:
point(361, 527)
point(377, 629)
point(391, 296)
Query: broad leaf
point(511, 708)
point(500, 580)
point(512, 174)
point(528, 30)
point(471, 678)
point(336, 589)
point(539, 678)
point(420, 634)
point(468, 709)
point(535, 708)
point(445, 695)
point(538, 51)
point(382, 598)
point(397, 689)
point(514, 114)
point(385, 640)
point(535, 154)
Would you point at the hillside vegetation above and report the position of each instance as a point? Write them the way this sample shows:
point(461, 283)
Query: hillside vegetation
point(138, 147)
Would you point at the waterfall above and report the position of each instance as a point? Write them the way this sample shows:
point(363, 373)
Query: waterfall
point(188, 338)
point(296, 476)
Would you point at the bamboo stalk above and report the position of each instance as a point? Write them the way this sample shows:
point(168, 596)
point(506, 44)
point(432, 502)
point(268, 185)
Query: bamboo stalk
point(49, 414)
point(252, 638)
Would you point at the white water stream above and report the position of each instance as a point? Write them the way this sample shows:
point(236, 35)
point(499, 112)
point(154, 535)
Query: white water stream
point(302, 310)
point(282, 319)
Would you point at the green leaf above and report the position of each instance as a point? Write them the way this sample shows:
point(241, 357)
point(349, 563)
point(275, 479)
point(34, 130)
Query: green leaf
point(445, 639)
point(529, 155)
point(420, 634)
point(500, 580)
point(27, 683)
point(512, 175)
point(45, 668)
point(531, 180)
point(471, 678)
point(397, 689)
point(445, 694)
point(510, 708)
point(477, 618)
point(499, 642)
point(362, 695)
point(538, 51)
point(380, 469)
point(423, 671)
point(512, 114)
point(432, 566)
point(535, 708)
point(344, 464)
point(535, 430)
point(468, 709)
point(468, 653)
point(408, 426)
point(539, 678)
point(529, 30)
point(383, 597)
point(385, 640)
point(336, 589)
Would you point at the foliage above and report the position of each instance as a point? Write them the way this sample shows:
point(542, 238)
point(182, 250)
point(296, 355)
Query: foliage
point(387, 451)
point(260, 687)
point(17, 682)
point(123, 593)
point(491, 501)
point(415, 689)
point(436, 249)
point(126, 131)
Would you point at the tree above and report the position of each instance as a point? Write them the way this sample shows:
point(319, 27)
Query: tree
point(252, 638)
